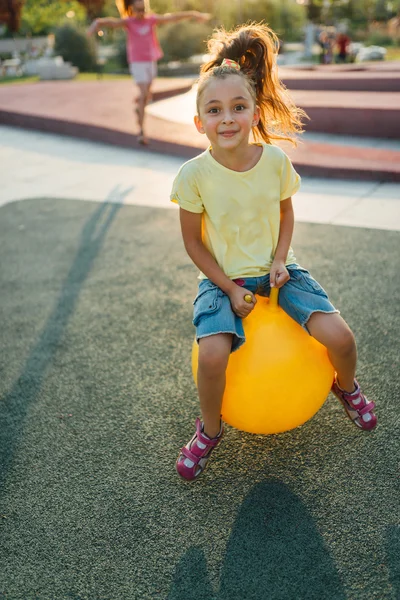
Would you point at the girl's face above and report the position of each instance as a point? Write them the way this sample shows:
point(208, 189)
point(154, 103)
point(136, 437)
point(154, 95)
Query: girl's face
point(139, 7)
point(227, 112)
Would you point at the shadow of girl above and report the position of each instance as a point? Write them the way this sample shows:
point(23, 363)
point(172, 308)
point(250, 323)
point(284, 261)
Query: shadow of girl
point(393, 558)
point(274, 552)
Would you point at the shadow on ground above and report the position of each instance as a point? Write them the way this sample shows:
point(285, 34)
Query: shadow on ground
point(26, 388)
point(274, 551)
point(392, 558)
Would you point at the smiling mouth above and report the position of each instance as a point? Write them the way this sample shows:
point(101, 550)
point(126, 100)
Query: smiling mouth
point(228, 134)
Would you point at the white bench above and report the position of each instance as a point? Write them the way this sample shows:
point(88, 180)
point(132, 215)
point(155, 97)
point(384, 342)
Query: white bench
point(49, 68)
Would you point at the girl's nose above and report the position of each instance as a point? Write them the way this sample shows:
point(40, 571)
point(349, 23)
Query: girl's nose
point(227, 118)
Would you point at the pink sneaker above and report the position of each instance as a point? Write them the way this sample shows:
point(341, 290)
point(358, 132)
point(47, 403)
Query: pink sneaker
point(357, 406)
point(193, 457)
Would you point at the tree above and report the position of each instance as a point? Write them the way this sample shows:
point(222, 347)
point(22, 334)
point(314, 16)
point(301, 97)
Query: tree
point(93, 7)
point(10, 13)
point(40, 17)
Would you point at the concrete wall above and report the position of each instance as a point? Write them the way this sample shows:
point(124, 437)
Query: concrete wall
point(22, 44)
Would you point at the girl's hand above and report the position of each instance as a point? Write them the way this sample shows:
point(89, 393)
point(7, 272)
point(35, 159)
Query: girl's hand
point(239, 305)
point(279, 274)
point(201, 16)
point(92, 29)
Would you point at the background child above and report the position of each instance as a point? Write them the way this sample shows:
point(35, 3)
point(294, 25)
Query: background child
point(342, 43)
point(237, 223)
point(142, 47)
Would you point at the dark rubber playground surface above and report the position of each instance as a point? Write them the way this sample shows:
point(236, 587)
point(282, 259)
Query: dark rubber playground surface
point(97, 397)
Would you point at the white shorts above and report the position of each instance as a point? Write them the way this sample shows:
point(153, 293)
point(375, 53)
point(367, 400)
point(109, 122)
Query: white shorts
point(143, 72)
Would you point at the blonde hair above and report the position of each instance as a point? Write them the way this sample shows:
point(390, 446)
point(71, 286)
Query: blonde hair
point(255, 48)
point(125, 7)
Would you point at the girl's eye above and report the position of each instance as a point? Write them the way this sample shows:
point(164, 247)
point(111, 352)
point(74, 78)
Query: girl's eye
point(213, 111)
point(239, 107)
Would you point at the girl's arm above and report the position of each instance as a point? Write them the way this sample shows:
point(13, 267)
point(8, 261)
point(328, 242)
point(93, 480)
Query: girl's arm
point(278, 274)
point(106, 22)
point(181, 16)
point(203, 259)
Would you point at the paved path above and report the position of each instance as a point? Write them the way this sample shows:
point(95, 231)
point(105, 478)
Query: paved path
point(181, 108)
point(102, 111)
point(326, 79)
point(42, 165)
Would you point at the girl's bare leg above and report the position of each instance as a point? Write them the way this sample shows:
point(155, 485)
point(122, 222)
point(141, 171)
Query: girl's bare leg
point(214, 354)
point(144, 94)
point(334, 333)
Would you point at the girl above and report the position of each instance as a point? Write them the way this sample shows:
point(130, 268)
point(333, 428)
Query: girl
point(142, 47)
point(237, 222)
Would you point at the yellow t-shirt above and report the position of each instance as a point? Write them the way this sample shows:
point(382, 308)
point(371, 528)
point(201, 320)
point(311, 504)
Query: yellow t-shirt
point(241, 210)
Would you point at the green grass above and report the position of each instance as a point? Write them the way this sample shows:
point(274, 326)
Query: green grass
point(17, 80)
point(393, 53)
point(96, 398)
point(95, 76)
point(80, 77)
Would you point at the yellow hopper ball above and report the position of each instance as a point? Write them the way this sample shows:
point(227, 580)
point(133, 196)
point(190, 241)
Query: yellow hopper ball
point(279, 378)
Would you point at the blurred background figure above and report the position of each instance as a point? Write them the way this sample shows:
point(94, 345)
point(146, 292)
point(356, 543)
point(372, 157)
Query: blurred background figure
point(327, 42)
point(331, 44)
point(342, 44)
point(323, 44)
point(142, 46)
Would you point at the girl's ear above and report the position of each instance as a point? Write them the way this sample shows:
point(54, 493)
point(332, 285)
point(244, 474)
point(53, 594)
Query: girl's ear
point(198, 124)
point(256, 116)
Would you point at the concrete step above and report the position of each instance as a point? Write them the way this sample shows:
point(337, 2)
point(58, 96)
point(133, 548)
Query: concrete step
point(102, 111)
point(324, 80)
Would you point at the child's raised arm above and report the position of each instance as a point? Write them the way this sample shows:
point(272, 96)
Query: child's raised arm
point(109, 22)
point(181, 16)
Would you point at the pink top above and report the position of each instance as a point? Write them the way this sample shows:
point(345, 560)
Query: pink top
point(142, 44)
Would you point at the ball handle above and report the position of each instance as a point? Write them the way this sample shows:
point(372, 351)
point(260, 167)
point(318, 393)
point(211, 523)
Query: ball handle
point(273, 298)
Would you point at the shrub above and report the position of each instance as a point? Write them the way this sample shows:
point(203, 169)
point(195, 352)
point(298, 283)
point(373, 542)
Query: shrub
point(73, 45)
point(379, 39)
point(121, 54)
point(180, 41)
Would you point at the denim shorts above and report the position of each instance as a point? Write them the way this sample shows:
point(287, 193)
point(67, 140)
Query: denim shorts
point(299, 297)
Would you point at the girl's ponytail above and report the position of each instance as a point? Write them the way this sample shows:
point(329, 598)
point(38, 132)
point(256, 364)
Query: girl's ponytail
point(255, 47)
